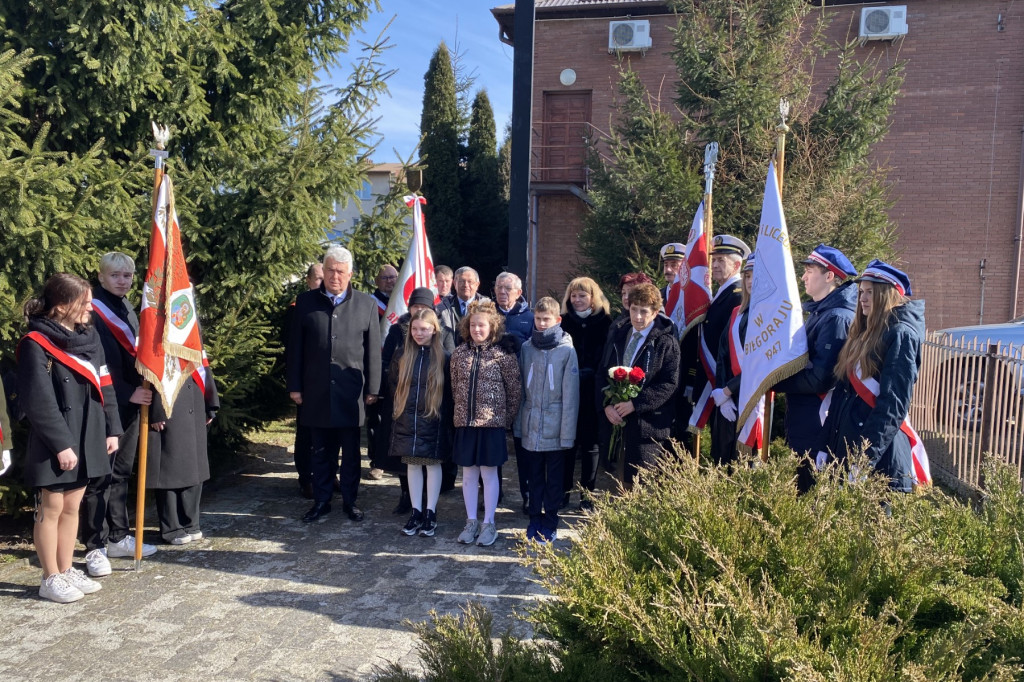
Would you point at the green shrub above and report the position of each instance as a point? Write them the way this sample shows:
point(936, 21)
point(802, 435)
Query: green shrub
point(703, 574)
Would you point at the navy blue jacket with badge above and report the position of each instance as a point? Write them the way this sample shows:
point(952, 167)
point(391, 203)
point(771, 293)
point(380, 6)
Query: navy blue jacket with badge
point(827, 323)
point(850, 419)
point(519, 321)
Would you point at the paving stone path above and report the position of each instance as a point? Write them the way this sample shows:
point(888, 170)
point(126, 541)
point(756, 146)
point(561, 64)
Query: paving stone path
point(266, 596)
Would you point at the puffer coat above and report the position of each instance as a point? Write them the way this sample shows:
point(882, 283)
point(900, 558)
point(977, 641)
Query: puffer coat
point(413, 433)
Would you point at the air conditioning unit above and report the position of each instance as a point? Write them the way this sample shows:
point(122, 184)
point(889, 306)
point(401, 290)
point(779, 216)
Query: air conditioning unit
point(629, 36)
point(883, 23)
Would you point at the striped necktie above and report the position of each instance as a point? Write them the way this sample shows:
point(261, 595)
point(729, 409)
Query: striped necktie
point(627, 358)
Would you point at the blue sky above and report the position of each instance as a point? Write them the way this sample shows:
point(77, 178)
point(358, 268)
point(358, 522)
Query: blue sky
point(418, 27)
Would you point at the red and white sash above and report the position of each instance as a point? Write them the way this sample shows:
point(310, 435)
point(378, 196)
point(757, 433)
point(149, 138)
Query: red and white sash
point(202, 374)
point(868, 390)
point(122, 332)
point(98, 377)
point(751, 433)
point(382, 307)
point(702, 408)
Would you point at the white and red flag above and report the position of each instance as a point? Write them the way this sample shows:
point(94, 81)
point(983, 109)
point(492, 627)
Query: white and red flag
point(692, 285)
point(169, 349)
point(417, 270)
point(775, 345)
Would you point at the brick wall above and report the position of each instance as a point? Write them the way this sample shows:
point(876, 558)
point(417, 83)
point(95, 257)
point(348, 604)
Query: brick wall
point(954, 147)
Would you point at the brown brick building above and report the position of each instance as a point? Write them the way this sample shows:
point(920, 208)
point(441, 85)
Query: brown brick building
point(955, 149)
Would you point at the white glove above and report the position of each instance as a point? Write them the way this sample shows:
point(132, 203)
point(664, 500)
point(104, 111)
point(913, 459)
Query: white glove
point(821, 461)
point(688, 393)
point(5, 462)
point(729, 410)
point(719, 396)
point(856, 476)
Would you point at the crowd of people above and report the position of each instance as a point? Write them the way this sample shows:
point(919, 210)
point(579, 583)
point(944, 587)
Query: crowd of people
point(455, 385)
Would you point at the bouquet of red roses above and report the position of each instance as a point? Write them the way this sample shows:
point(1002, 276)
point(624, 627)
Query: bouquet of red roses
point(624, 386)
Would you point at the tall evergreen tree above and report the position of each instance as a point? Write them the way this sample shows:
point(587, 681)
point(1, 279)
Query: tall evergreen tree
point(645, 196)
point(485, 209)
point(734, 61)
point(439, 127)
point(258, 154)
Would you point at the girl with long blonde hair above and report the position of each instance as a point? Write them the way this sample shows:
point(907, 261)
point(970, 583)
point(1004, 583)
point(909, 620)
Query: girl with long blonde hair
point(418, 378)
point(875, 377)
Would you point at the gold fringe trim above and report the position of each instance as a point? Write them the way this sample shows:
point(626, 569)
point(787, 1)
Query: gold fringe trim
point(147, 375)
point(784, 372)
point(697, 320)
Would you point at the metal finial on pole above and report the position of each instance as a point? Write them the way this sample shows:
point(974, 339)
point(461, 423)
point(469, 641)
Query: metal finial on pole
point(780, 145)
point(710, 159)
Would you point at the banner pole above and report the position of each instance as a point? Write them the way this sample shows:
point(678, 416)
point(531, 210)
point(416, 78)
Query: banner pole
point(160, 135)
point(780, 171)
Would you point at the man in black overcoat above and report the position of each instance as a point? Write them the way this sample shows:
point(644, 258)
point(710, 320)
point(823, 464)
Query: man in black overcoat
point(727, 255)
point(333, 371)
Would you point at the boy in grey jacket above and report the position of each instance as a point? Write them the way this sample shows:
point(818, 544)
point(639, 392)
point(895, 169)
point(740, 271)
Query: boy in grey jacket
point(547, 417)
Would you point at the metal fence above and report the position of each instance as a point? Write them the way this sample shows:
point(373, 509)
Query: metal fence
point(968, 404)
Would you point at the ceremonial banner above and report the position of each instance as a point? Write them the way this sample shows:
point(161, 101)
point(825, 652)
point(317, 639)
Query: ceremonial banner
point(169, 347)
point(693, 281)
point(417, 270)
point(775, 346)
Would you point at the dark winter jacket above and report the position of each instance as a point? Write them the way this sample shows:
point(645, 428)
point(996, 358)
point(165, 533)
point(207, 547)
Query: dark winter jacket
point(827, 323)
point(588, 337)
point(120, 361)
point(659, 358)
point(850, 419)
point(63, 408)
point(413, 434)
point(449, 312)
point(177, 454)
point(333, 357)
point(486, 384)
point(518, 321)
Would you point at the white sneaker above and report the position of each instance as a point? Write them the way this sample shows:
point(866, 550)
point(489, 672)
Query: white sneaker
point(488, 534)
point(469, 533)
point(97, 564)
point(125, 547)
point(181, 539)
point(196, 536)
point(57, 588)
point(77, 579)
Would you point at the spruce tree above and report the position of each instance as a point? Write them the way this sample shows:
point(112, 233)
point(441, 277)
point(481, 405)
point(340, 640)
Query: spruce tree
point(644, 196)
point(485, 210)
point(439, 127)
point(258, 153)
point(734, 61)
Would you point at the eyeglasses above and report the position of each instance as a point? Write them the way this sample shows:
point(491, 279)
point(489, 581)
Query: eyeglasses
point(388, 278)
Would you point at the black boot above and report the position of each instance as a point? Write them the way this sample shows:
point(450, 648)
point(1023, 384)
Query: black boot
point(404, 503)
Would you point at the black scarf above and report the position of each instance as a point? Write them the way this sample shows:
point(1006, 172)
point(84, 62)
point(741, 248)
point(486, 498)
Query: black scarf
point(84, 342)
point(547, 339)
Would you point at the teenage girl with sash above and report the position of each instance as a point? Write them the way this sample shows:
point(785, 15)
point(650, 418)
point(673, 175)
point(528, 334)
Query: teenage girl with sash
point(875, 377)
point(71, 407)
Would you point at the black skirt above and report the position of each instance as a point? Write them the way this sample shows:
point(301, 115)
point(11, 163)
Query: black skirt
point(480, 447)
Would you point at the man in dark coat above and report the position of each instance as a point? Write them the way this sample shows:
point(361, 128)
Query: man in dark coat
point(452, 309)
point(827, 319)
point(105, 525)
point(386, 280)
point(727, 255)
point(333, 369)
point(177, 461)
point(508, 295)
point(303, 440)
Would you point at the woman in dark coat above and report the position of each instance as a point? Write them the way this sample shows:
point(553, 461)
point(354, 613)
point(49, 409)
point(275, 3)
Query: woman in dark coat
point(647, 418)
point(71, 408)
point(875, 377)
point(422, 413)
point(178, 463)
point(585, 319)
